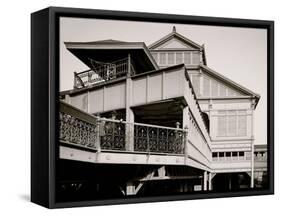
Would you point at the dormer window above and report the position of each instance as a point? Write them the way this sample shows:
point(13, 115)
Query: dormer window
point(171, 58)
point(162, 60)
point(187, 58)
point(179, 58)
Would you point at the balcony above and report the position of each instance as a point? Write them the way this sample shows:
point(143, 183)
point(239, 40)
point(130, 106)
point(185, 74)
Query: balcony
point(104, 71)
point(84, 130)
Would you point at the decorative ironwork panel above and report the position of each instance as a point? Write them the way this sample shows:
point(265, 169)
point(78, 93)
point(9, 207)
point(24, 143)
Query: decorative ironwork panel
point(158, 140)
point(141, 138)
point(163, 140)
point(113, 136)
point(76, 131)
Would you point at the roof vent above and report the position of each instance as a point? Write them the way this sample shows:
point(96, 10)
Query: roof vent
point(174, 28)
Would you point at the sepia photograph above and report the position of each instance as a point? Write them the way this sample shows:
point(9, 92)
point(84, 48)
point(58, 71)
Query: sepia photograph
point(150, 109)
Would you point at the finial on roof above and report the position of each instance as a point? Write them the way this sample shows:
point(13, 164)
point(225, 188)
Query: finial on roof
point(174, 29)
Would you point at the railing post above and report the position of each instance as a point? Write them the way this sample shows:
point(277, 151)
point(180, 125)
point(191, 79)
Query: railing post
point(129, 66)
point(89, 78)
point(98, 145)
point(75, 79)
point(185, 142)
point(185, 124)
point(129, 112)
point(176, 139)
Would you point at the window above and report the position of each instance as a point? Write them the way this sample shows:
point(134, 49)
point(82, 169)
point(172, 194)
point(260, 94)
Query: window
point(195, 57)
point(215, 88)
point(215, 154)
point(179, 58)
point(242, 125)
point(187, 58)
point(232, 123)
point(222, 90)
point(206, 86)
point(162, 60)
point(171, 58)
point(228, 154)
point(195, 83)
point(221, 154)
point(222, 125)
point(234, 154)
point(241, 154)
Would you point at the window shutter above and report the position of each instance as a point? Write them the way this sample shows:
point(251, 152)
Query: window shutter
point(195, 83)
point(162, 59)
point(195, 57)
point(171, 58)
point(242, 125)
point(206, 86)
point(187, 58)
point(221, 125)
point(215, 88)
point(179, 58)
point(231, 126)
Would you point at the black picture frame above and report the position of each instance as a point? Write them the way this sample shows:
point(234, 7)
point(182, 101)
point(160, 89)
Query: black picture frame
point(45, 90)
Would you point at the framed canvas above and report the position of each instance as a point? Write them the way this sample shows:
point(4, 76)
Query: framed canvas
point(139, 107)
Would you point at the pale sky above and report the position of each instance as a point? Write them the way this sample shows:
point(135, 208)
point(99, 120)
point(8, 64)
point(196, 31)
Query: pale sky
point(237, 53)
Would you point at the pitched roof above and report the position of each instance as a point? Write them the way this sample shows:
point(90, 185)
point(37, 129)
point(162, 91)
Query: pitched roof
point(230, 82)
point(171, 35)
point(175, 34)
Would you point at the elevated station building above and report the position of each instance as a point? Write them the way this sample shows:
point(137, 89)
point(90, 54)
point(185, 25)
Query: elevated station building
point(155, 120)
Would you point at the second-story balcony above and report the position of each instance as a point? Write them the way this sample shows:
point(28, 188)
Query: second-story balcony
point(104, 71)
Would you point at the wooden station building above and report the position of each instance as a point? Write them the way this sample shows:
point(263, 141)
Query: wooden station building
point(153, 120)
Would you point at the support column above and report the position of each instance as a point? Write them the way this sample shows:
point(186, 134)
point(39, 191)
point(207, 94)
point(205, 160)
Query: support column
point(130, 188)
point(229, 181)
point(252, 145)
point(185, 125)
point(130, 118)
point(210, 185)
point(205, 180)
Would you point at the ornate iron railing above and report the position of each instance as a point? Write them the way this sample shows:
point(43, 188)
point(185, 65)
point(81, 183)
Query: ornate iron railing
point(158, 139)
point(103, 72)
point(77, 127)
point(82, 129)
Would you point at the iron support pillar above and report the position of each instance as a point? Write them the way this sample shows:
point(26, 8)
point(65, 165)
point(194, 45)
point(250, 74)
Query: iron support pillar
point(205, 181)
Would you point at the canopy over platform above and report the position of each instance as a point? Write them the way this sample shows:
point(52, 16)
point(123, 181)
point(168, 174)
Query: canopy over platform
point(112, 50)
